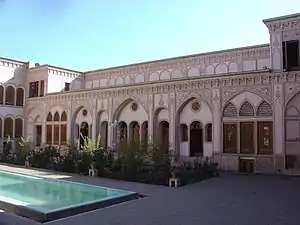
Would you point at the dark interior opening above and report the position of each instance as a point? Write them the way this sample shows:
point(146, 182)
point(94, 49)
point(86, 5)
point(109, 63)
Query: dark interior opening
point(290, 55)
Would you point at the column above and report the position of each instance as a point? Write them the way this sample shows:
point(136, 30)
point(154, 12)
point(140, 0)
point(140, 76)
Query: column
point(94, 123)
point(278, 99)
point(59, 134)
point(217, 122)
point(110, 128)
point(172, 124)
point(70, 129)
point(150, 119)
point(44, 127)
point(276, 50)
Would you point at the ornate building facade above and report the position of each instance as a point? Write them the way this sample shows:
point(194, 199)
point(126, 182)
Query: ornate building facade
point(241, 107)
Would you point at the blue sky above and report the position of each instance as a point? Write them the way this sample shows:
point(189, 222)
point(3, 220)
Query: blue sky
point(93, 34)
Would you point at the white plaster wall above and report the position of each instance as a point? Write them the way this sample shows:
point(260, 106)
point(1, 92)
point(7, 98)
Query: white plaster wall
point(187, 116)
point(56, 83)
point(127, 115)
point(80, 118)
point(34, 117)
point(292, 126)
point(11, 74)
point(163, 115)
point(246, 96)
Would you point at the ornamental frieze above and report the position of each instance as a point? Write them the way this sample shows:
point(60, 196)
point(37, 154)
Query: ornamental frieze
point(232, 82)
point(262, 51)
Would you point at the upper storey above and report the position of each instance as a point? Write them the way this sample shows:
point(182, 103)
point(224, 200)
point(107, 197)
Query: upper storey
point(247, 59)
point(282, 54)
point(284, 42)
point(46, 79)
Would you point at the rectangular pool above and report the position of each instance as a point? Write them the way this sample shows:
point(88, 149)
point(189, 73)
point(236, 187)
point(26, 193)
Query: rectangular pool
point(45, 199)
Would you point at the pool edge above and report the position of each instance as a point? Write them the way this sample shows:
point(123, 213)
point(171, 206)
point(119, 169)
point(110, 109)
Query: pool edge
point(66, 212)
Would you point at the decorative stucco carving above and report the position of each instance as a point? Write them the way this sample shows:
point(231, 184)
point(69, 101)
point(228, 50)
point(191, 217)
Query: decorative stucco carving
point(216, 100)
point(229, 92)
point(291, 35)
point(277, 96)
point(142, 99)
point(283, 25)
point(183, 96)
point(262, 51)
point(291, 89)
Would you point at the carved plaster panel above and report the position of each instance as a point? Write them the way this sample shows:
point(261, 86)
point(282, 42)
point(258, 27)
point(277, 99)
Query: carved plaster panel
point(141, 99)
point(291, 35)
point(230, 92)
point(183, 96)
point(290, 90)
point(161, 101)
point(290, 24)
point(86, 104)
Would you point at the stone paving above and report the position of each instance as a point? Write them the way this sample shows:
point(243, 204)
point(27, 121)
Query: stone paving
point(226, 200)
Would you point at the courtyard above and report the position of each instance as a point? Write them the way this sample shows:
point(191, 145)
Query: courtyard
point(228, 199)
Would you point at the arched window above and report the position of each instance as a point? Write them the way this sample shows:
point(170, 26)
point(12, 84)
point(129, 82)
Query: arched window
point(8, 127)
point(64, 116)
point(264, 109)
point(246, 109)
point(208, 132)
point(10, 95)
point(183, 131)
point(1, 94)
point(20, 97)
point(230, 110)
point(56, 117)
point(49, 117)
point(57, 129)
point(18, 128)
point(1, 131)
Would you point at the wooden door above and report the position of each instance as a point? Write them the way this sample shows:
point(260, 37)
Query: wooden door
point(230, 138)
point(265, 137)
point(247, 138)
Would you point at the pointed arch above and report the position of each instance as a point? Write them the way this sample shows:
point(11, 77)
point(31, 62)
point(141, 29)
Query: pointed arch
point(8, 127)
point(230, 110)
point(49, 117)
point(1, 94)
point(10, 95)
point(63, 116)
point(122, 105)
point(20, 97)
point(246, 109)
point(18, 127)
point(264, 109)
point(56, 116)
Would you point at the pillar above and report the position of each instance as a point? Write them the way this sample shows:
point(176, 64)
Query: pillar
point(172, 123)
point(279, 128)
point(150, 119)
point(44, 127)
point(70, 129)
point(217, 125)
point(94, 119)
point(110, 128)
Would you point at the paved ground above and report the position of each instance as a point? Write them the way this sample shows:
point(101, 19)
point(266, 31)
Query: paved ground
point(226, 200)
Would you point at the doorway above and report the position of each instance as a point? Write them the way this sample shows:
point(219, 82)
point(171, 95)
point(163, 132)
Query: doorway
point(247, 138)
point(38, 135)
point(164, 135)
point(84, 133)
point(246, 166)
point(196, 139)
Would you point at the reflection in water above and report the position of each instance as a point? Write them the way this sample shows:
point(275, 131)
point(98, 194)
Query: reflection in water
point(46, 195)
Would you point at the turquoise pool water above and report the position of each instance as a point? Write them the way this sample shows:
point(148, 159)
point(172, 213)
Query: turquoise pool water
point(47, 195)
